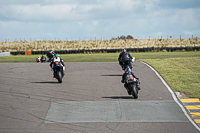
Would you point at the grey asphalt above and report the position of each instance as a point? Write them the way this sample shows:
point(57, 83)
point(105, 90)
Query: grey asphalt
point(90, 99)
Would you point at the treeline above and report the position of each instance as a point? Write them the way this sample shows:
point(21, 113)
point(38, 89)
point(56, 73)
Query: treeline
point(122, 37)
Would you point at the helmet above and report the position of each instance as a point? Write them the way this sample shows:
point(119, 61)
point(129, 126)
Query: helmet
point(124, 50)
point(57, 55)
point(127, 69)
point(50, 54)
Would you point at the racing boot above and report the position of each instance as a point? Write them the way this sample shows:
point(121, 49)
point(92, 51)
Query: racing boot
point(138, 84)
point(54, 76)
point(63, 72)
point(128, 91)
point(131, 65)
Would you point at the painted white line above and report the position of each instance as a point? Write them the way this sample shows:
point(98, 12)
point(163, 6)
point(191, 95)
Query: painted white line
point(174, 96)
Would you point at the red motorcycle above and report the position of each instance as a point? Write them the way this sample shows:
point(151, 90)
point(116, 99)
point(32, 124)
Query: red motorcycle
point(38, 59)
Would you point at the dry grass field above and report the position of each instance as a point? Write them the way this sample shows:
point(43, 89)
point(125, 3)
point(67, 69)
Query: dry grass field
point(98, 44)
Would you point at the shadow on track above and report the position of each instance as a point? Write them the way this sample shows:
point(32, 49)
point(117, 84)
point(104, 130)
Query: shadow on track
point(46, 82)
point(112, 75)
point(120, 97)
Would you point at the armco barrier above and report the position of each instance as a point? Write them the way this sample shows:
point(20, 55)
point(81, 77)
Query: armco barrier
point(112, 50)
point(4, 54)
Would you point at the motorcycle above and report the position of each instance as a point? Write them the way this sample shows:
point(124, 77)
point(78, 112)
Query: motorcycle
point(43, 58)
point(132, 86)
point(38, 60)
point(126, 64)
point(58, 71)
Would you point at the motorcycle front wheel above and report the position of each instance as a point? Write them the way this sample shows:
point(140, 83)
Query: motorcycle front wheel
point(59, 76)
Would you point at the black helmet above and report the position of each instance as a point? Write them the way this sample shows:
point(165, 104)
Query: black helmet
point(50, 54)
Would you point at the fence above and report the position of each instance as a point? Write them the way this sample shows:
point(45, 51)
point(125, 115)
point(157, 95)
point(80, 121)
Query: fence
point(174, 36)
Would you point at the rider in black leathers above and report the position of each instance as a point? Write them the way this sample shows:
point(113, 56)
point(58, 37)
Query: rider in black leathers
point(43, 58)
point(126, 73)
point(50, 55)
point(124, 55)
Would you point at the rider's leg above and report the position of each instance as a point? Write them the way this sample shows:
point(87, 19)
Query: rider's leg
point(138, 84)
point(126, 87)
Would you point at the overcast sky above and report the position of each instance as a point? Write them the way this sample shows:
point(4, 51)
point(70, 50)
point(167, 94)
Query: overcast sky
point(86, 19)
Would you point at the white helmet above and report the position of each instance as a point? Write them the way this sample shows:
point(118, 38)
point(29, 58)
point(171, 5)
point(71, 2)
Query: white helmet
point(124, 50)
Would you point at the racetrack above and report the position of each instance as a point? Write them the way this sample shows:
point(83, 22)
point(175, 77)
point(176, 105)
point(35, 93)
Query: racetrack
point(90, 99)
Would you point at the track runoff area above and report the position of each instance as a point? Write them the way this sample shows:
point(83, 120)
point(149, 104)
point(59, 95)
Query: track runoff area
point(90, 99)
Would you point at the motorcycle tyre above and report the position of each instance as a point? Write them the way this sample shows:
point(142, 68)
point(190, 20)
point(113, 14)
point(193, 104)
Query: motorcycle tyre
point(134, 92)
point(59, 76)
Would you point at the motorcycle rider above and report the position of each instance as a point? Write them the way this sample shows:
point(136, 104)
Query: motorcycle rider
point(50, 55)
point(43, 58)
point(125, 75)
point(124, 55)
point(38, 59)
point(53, 63)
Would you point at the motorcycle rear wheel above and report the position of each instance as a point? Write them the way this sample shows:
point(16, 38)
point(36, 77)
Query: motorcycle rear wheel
point(134, 92)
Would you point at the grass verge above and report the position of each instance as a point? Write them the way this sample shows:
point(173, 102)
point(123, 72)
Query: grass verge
point(100, 57)
point(182, 74)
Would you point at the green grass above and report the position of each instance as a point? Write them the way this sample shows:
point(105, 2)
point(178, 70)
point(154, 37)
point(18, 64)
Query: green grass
point(181, 70)
point(100, 57)
point(182, 74)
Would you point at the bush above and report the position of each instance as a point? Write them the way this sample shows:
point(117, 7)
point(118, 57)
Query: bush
point(189, 49)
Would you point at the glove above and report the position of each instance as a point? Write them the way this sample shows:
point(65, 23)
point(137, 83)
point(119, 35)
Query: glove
point(122, 81)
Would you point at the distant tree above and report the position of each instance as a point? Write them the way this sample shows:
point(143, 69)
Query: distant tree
point(129, 37)
point(113, 38)
point(122, 37)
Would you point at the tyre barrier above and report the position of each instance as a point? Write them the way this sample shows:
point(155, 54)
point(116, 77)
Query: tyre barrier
point(18, 53)
point(168, 49)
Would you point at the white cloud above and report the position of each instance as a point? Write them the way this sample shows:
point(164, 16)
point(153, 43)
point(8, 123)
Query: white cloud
point(119, 4)
point(37, 12)
point(80, 23)
point(72, 11)
point(188, 33)
point(89, 18)
point(184, 19)
point(95, 22)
